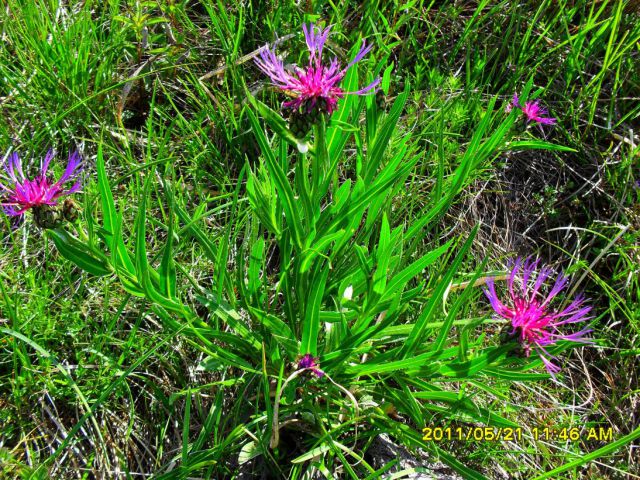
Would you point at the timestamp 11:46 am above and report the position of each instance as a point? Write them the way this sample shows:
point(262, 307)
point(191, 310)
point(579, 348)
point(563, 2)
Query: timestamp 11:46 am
point(511, 434)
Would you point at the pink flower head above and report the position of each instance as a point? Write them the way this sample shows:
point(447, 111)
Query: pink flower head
point(19, 193)
point(533, 111)
point(316, 81)
point(311, 363)
point(534, 322)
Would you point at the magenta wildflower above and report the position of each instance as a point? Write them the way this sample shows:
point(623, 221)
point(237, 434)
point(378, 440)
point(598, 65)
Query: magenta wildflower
point(316, 82)
point(533, 111)
point(19, 193)
point(534, 322)
point(308, 361)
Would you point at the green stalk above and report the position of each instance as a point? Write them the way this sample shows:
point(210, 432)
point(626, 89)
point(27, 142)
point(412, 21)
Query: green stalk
point(320, 165)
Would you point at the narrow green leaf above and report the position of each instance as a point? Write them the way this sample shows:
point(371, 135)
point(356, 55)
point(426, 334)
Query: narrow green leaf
point(537, 145)
point(202, 238)
point(167, 270)
point(311, 454)
point(383, 254)
point(586, 458)
point(84, 256)
point(110, 217)
point(106, 197)
point(275, 121)
point(256, 262)
point(397, 283)
point(311, 325)
point(318, 248)
point(232, 318)
point(375, 156)
point(186, 423)
point(282, 184)
point(471, 367)
point(416, 335)
point(448, 322)
point(143, 269)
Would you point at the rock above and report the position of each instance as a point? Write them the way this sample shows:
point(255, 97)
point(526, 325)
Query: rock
point(383, 450)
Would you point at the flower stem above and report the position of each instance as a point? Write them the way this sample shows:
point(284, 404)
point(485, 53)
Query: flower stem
point(320, 165)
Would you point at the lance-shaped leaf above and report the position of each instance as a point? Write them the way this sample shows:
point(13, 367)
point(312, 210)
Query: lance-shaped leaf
point(280, 180)
point(115, 242)
point(86, 257)
point(311, 324)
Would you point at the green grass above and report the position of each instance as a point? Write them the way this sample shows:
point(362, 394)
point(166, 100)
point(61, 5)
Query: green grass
point(163, 339)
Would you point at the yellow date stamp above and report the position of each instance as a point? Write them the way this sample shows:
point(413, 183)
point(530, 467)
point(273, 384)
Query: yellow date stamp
point(472, 434)
point(516, 434)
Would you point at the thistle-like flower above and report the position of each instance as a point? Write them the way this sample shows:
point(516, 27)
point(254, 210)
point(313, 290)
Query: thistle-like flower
point(533, 111)
point(317, 84)
point(534, 323)
point(18, 193)
point(308, 361)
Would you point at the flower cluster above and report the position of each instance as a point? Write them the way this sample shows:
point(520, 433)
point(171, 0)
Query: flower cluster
point(317, 84)
point(19, 193)
point(532, 111)
point(534, 323)
point(314, 90)
point(311, 363)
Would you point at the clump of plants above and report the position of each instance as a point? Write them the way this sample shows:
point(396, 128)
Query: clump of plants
point(339, 326)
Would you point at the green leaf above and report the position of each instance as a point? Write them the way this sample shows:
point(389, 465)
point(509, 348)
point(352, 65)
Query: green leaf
point(383, 254)
point(232, 318)
point(311, 325)
point(202, 238)
point(84, 256)
point(397, 283)
point(167, 270)
point(225, 358)
point(311, 454)
point(275, 121)
point(110, 218)
point(336, 137)
point(256, 262)
point(282, 184)
point(386, 79)
point(320, 165)
point(278, 329)
point(469, 368)
point(381, 184)
point(586, 458)
point(515, 375)
point(448, 322)
point(375, 156)
point(452, 461)
point(249, 451)
point(143, 270)
point(383, 364)
point(318, 248)
point(127, 278)
point(417, 333)
point(537, 145)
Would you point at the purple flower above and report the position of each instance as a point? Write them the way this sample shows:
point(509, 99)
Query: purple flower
point(311, 363)
point(19, 193)
point(315, 82)
point(533, 321)
point(532, 110)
